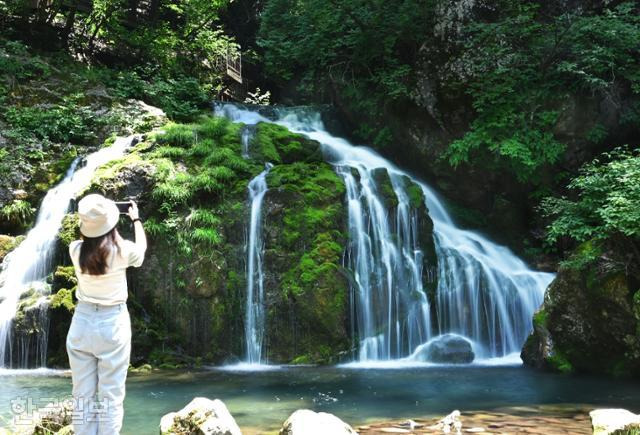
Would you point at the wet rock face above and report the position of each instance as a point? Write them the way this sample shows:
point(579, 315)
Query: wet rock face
point(447, 349)
point(589, 322)
point(538, 349)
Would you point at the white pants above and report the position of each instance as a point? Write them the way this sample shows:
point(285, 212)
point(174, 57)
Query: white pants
point(99, 346)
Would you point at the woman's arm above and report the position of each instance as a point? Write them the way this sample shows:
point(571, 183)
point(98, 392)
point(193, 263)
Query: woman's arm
point(141, 238)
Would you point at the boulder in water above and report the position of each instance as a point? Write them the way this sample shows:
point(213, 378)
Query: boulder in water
point(610, 421)
point(445, 349)
point(201, 415)
point(307, 422)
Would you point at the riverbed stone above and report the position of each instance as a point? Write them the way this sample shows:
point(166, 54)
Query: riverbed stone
point(610, 421)
point(307, 422)
point(201, 416)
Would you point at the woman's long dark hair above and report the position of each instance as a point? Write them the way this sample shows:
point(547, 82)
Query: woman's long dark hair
point(95, 252)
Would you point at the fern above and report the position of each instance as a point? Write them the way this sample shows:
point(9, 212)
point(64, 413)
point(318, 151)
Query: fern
point(202, 217)
point(17, 211)
point(206, 235)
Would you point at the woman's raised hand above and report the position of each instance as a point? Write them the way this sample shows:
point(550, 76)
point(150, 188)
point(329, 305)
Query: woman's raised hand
point(133, 211)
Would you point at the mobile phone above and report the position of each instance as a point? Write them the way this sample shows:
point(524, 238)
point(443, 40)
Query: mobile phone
point(123, 206)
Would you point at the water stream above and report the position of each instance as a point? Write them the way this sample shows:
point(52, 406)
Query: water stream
point(485, 293)
point(255, 310)
point(25, 269)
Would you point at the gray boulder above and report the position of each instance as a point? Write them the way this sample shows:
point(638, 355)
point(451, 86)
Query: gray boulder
point(445, 349)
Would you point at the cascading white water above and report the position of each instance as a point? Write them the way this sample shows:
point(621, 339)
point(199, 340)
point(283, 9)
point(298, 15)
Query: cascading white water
point(255, 309)
point(484, 292)
point(393, 315)
point(26, 268)
point(245, 139)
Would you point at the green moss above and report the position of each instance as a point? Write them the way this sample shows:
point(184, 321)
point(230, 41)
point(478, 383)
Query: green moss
point(70, 229)
point(415, 193)
point(385, 188)
point(275, 144)
point(7, 244)
point(180, 135)
point(52, 173)
point(585, 254)
point(559, 362)
point(540, 318)
point(265, 141)
point(63, 299)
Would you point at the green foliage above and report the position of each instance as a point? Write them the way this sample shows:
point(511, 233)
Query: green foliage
point(17, 64)
point(169, 37)
point(363, 49)
point(202, 217)
point(181, 97)
point(606, 203)
point(18, 212)
point(66, 122)
point(180, 135)
point(207, 236)
point(523, 65)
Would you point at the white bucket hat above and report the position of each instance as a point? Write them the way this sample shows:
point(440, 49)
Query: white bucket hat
point(98, 215)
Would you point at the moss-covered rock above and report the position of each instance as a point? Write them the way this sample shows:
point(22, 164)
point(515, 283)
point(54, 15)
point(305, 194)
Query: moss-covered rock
point(7, 244)
point(589, 322)
point(275, 144)
point(307, 287)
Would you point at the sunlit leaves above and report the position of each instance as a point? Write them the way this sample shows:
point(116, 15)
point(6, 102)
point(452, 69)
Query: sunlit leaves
point(607, 195)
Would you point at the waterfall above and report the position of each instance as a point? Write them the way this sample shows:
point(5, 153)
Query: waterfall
point(24, 270)
point(392, 317)
point(254, 312)
point(484, 292)
point(246, 136)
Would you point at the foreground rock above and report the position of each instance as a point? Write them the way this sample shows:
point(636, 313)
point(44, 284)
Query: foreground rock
point(614, 421)
point(201, 416)
point(446, 349)
point(307, 422)
point(54, 418)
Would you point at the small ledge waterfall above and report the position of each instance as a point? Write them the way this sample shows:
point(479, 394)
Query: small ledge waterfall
point(484, 292)
point(24, 270)
point(255, 309)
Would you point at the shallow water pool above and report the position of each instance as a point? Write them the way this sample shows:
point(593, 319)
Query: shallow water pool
point(262, 400)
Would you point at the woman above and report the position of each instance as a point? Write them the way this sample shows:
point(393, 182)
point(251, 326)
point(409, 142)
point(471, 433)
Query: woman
point(99, 339)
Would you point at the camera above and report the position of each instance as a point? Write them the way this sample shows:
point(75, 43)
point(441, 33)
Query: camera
point(123, 206)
